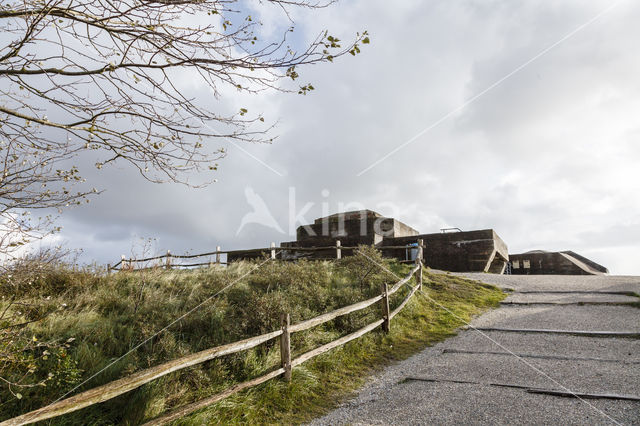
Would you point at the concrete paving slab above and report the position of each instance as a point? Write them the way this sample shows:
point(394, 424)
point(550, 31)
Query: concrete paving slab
point(559, 282)
point(546, 344)
point(589, 318)
point(570, 376)
point(417, 403)
point(570, 298)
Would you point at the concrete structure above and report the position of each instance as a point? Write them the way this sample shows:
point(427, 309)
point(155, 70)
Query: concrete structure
point(474, 251)
point(351, 228)
point(539, 262)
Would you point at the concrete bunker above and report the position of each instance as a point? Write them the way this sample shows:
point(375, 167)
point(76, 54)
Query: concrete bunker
point(472, 251)
point(540, 262)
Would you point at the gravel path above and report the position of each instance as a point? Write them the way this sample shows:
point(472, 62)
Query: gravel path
point(482, 377)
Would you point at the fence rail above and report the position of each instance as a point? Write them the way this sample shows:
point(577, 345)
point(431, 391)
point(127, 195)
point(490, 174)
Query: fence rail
point(118, 387)
point(130, 263)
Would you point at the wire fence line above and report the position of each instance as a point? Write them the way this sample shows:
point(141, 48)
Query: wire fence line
point(17, 421)
point(123, 385)
point(565, 392)
point(168, 260)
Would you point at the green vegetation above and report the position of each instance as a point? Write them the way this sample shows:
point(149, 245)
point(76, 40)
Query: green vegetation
point(83, 321)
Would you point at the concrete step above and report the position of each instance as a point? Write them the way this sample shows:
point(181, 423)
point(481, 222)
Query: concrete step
point(567, 375)
point(548, 344)
point(570, 298)
point(559, 282)
point(415, 402)
point(586, 318)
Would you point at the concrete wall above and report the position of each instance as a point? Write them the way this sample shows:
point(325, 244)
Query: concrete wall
point(352, 229)
point(590, 263)
point(553, 263)
point(481, 251)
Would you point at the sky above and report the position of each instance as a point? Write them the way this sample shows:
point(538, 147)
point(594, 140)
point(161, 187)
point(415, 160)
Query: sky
point(517, 116)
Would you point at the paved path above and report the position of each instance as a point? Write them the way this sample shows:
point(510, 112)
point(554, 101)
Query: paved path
point(488, 375)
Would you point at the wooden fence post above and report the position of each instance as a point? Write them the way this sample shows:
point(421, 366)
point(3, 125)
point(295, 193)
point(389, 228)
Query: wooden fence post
point(385, 307)
point(108, 269)
point(338, 250)
point(285, 346)
point(217, 255)
point(273, 251)
point(168, 263)
point(419, 259)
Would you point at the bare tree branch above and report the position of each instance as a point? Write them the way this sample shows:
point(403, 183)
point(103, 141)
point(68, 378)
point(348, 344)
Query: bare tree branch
point(106, 76)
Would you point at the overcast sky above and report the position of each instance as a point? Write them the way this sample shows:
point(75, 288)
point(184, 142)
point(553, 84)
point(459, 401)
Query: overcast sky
point(517, 116)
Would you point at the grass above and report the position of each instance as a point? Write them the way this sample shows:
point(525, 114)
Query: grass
point(106, 316)
point(323, 382)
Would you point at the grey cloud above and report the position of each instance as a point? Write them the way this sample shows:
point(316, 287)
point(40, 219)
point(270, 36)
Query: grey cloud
point(614, 235)
point(524, 159)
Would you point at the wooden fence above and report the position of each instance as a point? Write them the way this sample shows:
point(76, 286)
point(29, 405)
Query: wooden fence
point(134, 381)
point(168, 260)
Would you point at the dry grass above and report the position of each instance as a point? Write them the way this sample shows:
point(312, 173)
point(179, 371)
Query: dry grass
point(106, 316)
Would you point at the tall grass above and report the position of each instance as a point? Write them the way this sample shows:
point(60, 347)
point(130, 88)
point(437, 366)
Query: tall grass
point(97, 319)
